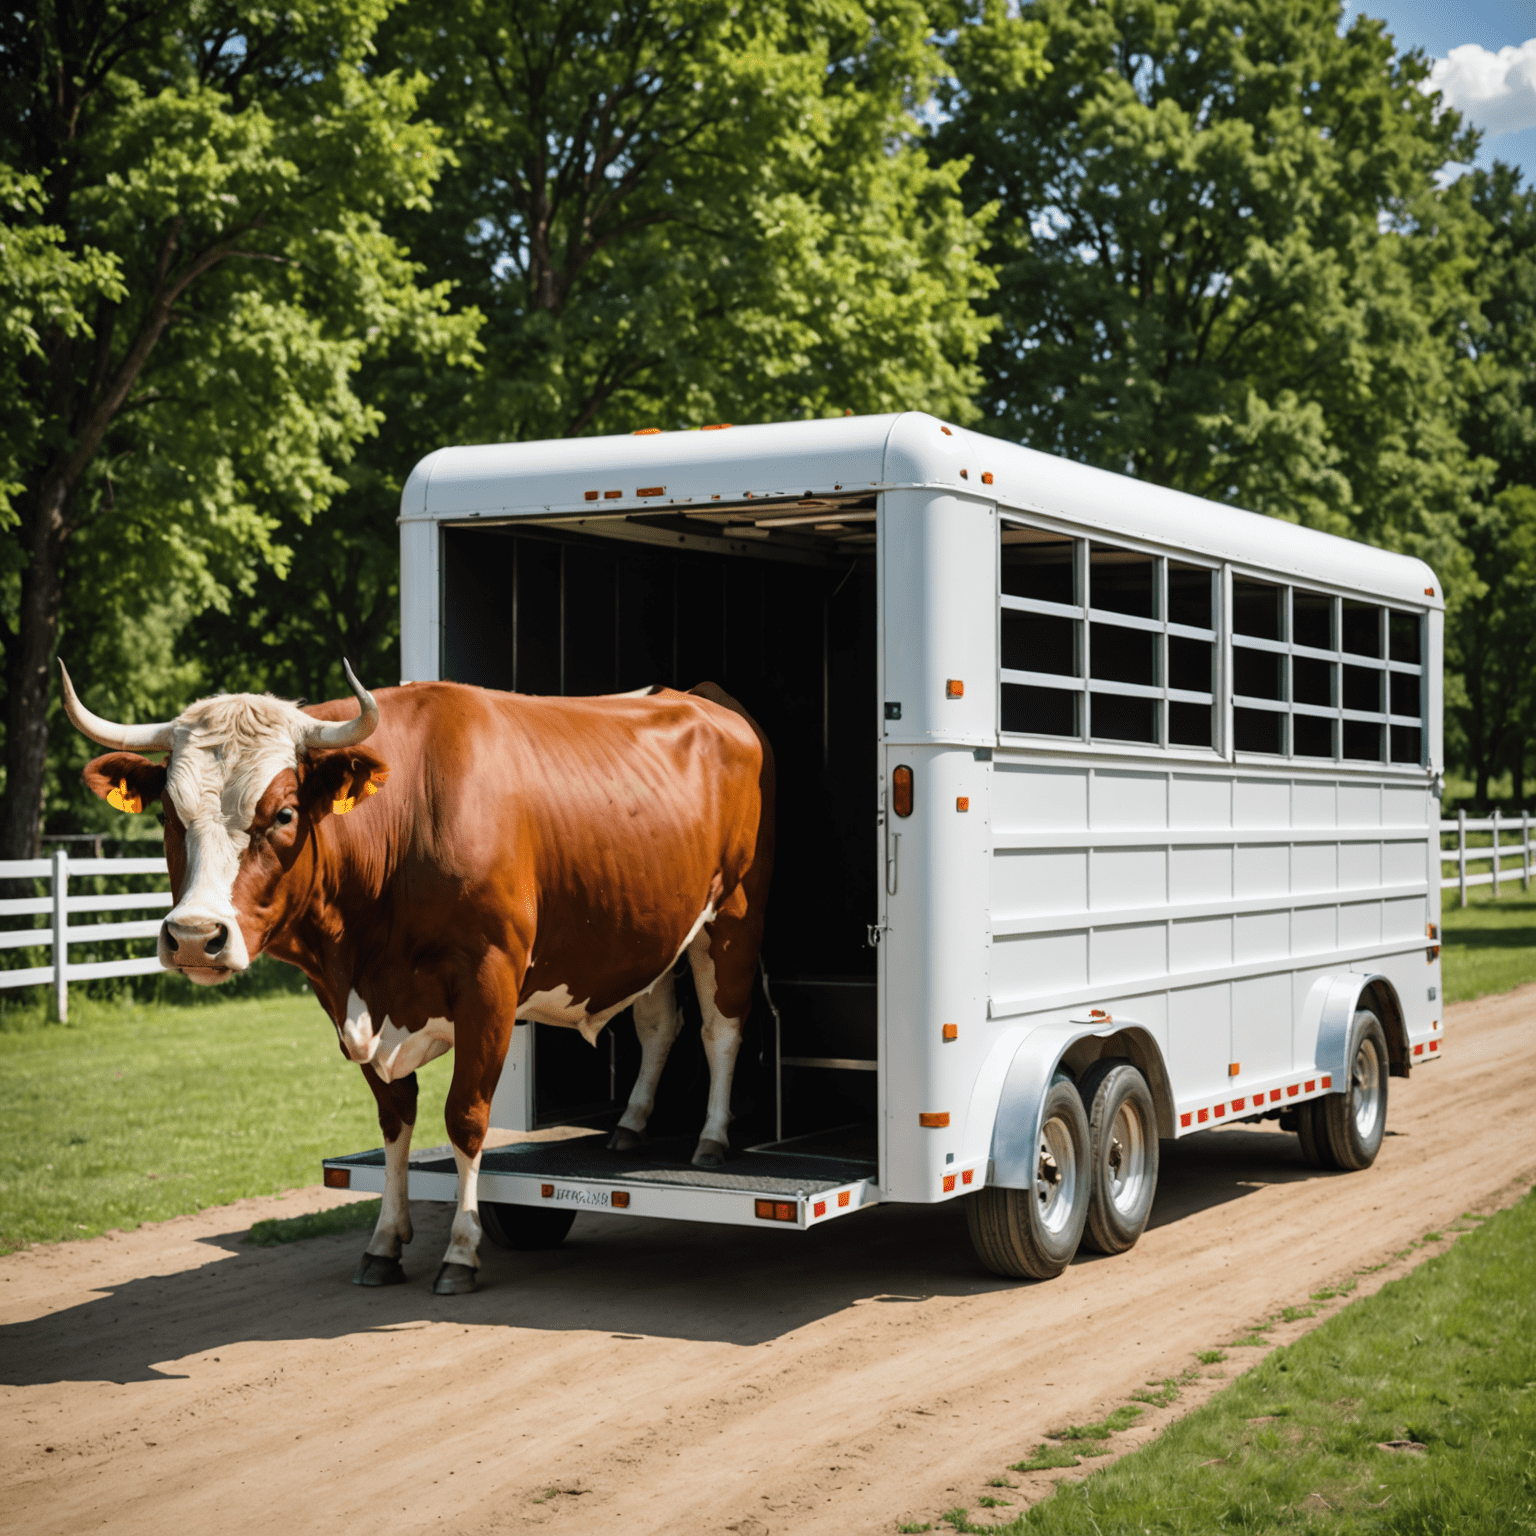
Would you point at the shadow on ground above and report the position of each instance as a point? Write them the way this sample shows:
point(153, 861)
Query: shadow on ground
point(614, 1274)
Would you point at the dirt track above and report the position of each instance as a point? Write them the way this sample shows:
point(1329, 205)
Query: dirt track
point(664, 1378)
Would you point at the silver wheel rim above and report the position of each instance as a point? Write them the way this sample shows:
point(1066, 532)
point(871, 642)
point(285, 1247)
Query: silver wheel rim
point(1056, 1175)
point(1365, 1089)
point(1125, 1159)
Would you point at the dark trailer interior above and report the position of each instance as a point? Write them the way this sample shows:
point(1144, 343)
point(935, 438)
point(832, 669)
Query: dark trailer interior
point(775, 602)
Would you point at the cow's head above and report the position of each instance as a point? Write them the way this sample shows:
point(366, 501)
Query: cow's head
point(248, 780)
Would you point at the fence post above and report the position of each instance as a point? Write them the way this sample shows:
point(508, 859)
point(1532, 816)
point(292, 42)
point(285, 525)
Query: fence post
point(1461, 850)
point(1525, 850)
point(60, 945)
point(1495, 853)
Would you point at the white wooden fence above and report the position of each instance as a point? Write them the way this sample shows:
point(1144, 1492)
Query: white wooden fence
point(1493, 855)
point(58, 870)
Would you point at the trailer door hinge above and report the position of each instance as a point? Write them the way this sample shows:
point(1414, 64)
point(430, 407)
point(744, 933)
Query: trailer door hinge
point(873, 933)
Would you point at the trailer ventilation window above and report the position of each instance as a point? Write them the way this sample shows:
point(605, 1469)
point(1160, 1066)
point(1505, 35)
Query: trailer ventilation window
point(1314, 676)
point(1104, 643)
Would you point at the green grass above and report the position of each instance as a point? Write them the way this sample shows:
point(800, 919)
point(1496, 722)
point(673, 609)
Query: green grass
point(294, 1229)
point(1488, 945)
point(134, 1113)
point(1444, 1358)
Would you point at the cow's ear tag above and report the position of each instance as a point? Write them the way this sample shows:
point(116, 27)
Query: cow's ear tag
point(123, 799)
point(341, 807)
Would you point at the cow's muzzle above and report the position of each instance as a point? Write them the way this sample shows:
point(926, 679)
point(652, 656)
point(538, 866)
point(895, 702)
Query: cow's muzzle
point(201, 948)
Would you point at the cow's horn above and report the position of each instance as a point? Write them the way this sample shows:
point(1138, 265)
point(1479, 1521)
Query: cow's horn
point(347, 733)
point(125, 738)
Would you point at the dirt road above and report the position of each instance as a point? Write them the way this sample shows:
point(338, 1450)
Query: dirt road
point(662, 1378)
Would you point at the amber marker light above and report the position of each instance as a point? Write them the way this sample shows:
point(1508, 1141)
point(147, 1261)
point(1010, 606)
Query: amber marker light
point(954, 688)
point(651, 490)
point(951, 1032)
point(645, 432)
point(591, 495)
point(612, 495)
point(1233, 1068)
point(621, 1199)
point(843, 1197)
point(962, 802)
point(718, 426)
point(968, 1175)
point(547, 1191)
point(338, 1178)
point(1429, 591)
point(986, 477)
point(901, 790)
point(949, 1183)
point(934, 1122)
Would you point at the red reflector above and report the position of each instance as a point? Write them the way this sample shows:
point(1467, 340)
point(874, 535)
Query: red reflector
point(1327, 1082)
point(547, 1191)
point(783, 1210)
point(338, 1178)
point(1183, 1119)
point(1221, 1109)
point(1274, 1095)
point(820, 1208)
point(901, 790)
point(621, 1199)
point(1202, 1115)
point(934, 1122)
point(844, 1196)
point(968, 1175)
point(949, 1183)
point(1291, 1090)
point(1311, 1084)
point(1434, 1045)
point(1418, 1050)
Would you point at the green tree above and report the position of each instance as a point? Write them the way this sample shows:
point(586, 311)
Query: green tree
point(196, 265)
point(1223, 262)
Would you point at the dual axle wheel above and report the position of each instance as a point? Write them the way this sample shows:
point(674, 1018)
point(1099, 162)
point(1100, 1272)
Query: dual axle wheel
point(1096, 1162)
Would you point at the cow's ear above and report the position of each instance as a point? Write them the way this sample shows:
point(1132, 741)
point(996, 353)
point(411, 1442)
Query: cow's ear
point(125, 780)
point(337, 778)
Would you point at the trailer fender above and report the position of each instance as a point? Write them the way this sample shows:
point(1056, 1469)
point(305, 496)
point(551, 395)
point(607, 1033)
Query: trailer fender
point(1330, 1009)
point(1032, 1064)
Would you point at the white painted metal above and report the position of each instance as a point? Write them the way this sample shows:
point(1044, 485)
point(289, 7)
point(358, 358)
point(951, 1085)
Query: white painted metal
point(1208, 910)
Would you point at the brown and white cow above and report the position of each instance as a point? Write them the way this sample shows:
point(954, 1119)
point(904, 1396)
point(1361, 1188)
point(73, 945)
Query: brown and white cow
point(532, 858)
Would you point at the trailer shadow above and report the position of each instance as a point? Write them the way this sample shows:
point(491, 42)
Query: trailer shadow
point(614, 1274)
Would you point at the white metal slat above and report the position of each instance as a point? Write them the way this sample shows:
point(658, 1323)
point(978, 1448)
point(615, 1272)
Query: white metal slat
point(20, 938)
point(99, 933)
point(126, 902)
point(97, 968)
point(25, 906)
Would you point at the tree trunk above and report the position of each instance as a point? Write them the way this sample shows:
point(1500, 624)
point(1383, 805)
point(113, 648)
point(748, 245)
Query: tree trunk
point(28, 662)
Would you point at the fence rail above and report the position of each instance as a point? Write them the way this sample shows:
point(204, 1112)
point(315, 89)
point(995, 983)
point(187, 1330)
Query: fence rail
point(1494, 854)
point(59, 870)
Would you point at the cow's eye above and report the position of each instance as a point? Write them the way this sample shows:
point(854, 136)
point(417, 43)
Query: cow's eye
point(284, 817)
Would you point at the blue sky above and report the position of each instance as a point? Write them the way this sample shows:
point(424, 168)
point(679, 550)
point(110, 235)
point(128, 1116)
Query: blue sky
point(1494, 88)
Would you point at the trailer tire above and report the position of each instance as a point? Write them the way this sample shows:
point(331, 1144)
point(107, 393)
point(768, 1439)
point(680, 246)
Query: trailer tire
point(1032, 1234)
point(1354, 1122)
point(1122, 1167)
point(1316, 1152)
point(525, 1228)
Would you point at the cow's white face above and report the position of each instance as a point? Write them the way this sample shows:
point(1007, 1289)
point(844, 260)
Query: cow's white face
point(243, 790)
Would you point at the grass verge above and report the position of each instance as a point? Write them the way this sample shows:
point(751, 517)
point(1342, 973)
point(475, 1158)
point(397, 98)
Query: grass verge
point(1488, 945)
point(294, 1229)
point(134, 1113)
point(1409, 1413)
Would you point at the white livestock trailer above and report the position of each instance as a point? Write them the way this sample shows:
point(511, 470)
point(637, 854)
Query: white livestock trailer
point(1106, 814)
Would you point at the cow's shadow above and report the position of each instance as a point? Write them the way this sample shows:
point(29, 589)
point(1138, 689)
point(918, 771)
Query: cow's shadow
point(614, 1274)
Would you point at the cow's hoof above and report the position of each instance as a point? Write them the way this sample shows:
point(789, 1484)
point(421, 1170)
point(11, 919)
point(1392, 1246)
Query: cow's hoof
point(709, 1154)
point(379, 1269)
point(626, 1140)
point(454, 1280)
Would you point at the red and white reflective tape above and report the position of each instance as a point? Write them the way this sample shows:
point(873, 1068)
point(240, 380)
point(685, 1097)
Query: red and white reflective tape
point(1253, 1103)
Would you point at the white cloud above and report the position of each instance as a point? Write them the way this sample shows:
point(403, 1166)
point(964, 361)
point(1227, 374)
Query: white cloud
point(1495, 91)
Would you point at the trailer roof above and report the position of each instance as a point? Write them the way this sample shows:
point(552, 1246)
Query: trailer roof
point(695, 470)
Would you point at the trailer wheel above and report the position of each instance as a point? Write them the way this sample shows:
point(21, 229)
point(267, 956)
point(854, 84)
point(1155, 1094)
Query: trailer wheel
point(525, 1228)
point(1032, 1234)
point(1122, 1177)
point(1313, 1133)
point(1353, 1122)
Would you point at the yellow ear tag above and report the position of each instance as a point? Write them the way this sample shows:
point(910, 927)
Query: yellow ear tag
point(341, 807)
point(370, 788)
point(120, 799)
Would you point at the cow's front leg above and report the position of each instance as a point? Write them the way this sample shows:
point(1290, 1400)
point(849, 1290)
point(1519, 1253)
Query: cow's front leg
point(483, 1030)
point(722, 1040)
point(397, 1117)
point(657, 1022)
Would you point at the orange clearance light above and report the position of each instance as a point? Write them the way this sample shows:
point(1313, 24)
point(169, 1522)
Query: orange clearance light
point(946, 432)
point(1429, 591)
point(901, 790)
point(651, 490)
point(1100, 1013)
point(774, 1210)
point(338, 1178)
point(547, 1191)
point(986, 477)
point(951, 1031)
point(962, 802)
point(591, 495)
point(968, 1175)
point(645, 432)
point(719, 426)
point(763, 1209)
point(954, 689)
point(934, 1122)
point(965, 474)
point(843, 1197)
point(949, 1183)
point(621, 1196)
point(1233, 1068)
point(612, 495)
